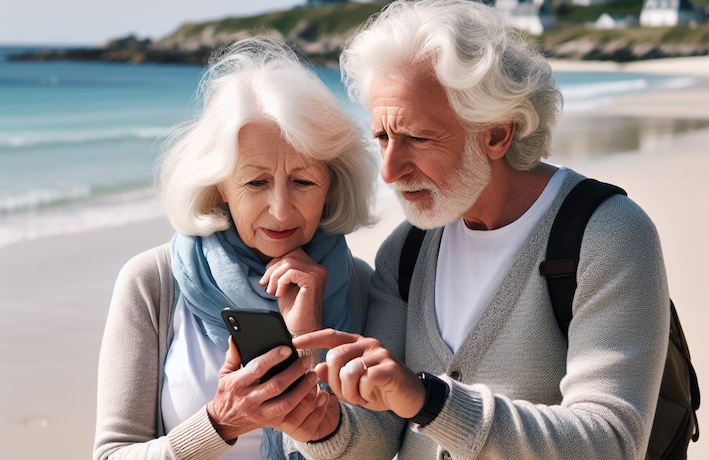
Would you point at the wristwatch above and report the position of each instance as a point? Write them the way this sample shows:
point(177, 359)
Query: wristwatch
point(436, 395)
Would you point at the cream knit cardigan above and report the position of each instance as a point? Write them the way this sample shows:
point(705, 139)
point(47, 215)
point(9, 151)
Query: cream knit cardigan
point(132, 366)
point(520, 392)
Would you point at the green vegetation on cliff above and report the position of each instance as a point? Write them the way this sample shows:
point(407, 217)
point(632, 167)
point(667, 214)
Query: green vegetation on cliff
point(317, 22)
point(623, 45)
point(681, 35)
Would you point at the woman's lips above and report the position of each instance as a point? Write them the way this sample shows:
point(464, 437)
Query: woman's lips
point(278, 235)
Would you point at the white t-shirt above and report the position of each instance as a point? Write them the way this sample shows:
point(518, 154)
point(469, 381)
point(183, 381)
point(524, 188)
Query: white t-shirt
point(473, 263)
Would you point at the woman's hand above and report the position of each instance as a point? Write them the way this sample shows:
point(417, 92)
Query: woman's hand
point(360, 371)
point(315, 417)
point(299, 284)
point(242, 404)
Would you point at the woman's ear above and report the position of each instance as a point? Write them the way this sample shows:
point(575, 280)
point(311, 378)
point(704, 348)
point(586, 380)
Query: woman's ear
point(497, 140)
point(220, 189)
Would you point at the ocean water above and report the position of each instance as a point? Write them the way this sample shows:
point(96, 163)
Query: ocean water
point(78, 141)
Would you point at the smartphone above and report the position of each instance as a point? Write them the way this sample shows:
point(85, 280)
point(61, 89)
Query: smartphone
point(256, 332)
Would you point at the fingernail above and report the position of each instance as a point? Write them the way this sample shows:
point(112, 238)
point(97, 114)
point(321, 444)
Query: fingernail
point(329, 356)
point(285, 351)
point(321, 400)
point(262, 280)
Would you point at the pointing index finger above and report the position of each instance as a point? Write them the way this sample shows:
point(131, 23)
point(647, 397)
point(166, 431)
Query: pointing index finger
point(325, 338)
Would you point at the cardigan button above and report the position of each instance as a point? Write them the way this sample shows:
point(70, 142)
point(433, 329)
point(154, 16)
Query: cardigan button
point(455, 375)
point(446, 455)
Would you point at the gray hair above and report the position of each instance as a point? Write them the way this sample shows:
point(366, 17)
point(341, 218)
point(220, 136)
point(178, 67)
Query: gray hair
point(490, 76)
point(255, 81)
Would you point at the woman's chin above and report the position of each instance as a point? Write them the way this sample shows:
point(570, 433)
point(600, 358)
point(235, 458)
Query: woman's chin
point(266, 252)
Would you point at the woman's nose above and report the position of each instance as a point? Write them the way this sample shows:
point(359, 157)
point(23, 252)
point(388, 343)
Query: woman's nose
point(281, 205)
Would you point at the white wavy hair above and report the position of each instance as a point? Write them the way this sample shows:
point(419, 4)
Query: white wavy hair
point(491, 77)
point(260, 80)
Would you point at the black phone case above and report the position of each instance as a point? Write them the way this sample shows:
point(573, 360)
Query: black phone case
point(256, 332)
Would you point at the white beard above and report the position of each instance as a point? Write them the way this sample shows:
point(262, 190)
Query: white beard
point(451, 201)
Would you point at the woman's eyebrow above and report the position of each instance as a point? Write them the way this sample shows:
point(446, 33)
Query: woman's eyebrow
point(260, 168)
point(268, 169)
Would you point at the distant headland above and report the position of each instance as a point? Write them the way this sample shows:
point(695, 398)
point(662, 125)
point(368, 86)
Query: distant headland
point(320, 33)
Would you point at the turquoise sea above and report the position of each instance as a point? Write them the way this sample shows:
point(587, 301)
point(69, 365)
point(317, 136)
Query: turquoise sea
point(78, 140)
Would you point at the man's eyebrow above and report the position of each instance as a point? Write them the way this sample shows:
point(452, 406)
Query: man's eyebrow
point(407, 132)
point(422, 133)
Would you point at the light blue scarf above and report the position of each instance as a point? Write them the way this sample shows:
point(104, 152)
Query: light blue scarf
point(220, 271)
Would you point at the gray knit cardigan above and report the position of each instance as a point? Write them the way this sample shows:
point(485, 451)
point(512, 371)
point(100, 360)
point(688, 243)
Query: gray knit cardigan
point(518, 390)
point(131, 366)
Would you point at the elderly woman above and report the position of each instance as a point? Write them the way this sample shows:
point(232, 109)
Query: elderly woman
point(260, 187)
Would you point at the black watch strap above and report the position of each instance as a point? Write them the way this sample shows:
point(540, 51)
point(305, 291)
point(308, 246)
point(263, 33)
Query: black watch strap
point(436, 395)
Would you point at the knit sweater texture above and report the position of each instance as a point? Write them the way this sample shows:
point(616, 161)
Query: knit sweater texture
point(132, 366)
point(518, 390)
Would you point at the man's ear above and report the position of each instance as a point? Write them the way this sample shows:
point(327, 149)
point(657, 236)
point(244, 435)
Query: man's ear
point(497, 140)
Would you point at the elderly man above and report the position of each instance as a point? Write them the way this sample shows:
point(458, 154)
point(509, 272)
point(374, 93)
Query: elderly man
point(463, 113)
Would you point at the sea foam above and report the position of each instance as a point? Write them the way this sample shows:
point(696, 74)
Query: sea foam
point(48, 139)
point(115, 212)
point(42, 197)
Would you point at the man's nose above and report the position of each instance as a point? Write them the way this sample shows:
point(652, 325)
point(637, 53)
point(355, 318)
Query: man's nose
point(281, 206)
point(395, 162)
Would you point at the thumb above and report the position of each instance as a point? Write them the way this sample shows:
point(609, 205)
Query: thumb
point(232, 360)
point(321, 371)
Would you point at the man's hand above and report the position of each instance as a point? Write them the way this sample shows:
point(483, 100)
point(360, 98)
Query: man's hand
point(360, 371)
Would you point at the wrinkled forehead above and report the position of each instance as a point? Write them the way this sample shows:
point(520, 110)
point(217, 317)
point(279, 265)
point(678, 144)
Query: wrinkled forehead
point(263, 144)
point(262, 137)
point(409, 81)
point(411, 95)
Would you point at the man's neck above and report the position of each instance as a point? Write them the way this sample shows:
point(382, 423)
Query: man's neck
point(508, 196)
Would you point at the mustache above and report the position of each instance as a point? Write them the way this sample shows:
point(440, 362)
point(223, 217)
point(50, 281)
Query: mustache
point(414, 185)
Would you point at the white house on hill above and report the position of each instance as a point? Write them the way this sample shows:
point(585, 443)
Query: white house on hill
point(531, 16)
point(606, 21)
point(666, 13)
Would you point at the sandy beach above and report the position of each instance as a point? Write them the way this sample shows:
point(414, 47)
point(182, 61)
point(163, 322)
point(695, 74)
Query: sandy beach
point(689, 66)
point(55, 292)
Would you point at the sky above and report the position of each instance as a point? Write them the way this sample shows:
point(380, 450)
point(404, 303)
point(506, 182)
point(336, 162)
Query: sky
point(93, 22)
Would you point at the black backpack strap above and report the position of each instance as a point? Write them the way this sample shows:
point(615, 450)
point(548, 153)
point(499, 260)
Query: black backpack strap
point(564, 246)
point(407, 261)
point(680, 342)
